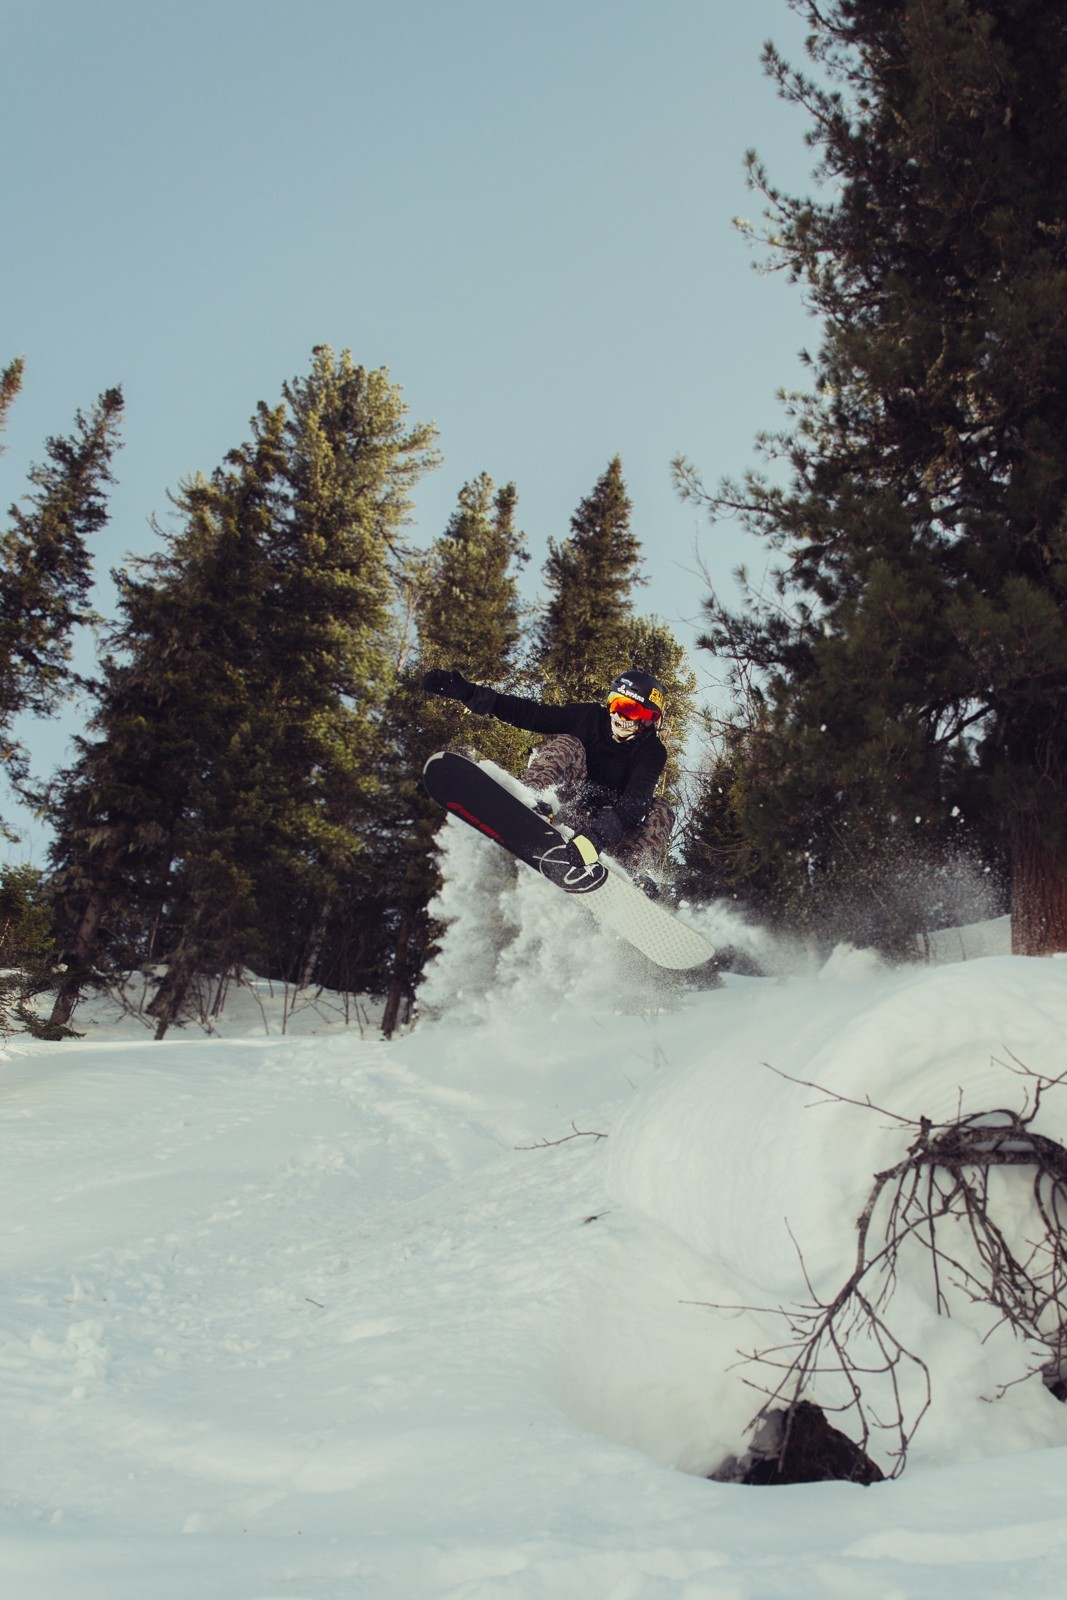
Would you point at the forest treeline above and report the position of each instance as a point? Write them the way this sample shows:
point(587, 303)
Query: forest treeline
point(246, 794)
point(892, 751)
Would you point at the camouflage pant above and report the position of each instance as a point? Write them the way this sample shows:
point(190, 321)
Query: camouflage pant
point(560, 764)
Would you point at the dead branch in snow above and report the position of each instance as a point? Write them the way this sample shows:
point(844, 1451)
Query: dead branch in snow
point(937, 1199)
point(546, 1144)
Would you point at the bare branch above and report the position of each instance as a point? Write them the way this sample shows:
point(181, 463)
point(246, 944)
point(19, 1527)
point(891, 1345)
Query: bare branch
point(546, 1144)
point(936, 1198)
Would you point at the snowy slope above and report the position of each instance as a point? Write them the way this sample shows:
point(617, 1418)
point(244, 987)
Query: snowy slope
point(304, 1314)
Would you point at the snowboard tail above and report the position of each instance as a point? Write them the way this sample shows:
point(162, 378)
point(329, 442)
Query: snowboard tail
point(471, 793)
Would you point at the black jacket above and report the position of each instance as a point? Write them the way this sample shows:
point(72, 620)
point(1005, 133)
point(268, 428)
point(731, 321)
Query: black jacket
point(625, 773)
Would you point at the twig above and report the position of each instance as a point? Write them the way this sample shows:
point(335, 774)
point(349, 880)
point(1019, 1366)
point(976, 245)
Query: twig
point(545, 1144)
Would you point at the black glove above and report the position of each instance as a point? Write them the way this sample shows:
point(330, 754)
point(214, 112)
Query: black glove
point(452, 685)
point(449, 685)
point(606, 828)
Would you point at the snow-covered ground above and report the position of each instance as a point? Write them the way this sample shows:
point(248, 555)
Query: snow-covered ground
point(304, 1315)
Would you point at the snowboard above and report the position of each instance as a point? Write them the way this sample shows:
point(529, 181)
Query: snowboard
point(471, 793)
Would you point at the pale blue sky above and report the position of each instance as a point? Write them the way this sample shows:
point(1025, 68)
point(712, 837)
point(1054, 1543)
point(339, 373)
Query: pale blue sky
point(521, 207)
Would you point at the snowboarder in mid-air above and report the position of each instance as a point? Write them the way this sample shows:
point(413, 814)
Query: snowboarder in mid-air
point(603, 761)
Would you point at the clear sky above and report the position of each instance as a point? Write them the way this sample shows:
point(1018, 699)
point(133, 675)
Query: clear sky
point(522, 208)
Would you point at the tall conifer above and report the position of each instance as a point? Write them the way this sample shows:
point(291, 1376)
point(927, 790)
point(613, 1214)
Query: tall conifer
point(351, 465)
point(179, 704)
point(46, 568)
point(10, 384)
point(590, 577)
point(468, 615)
point(912, 656)
point(245, 696)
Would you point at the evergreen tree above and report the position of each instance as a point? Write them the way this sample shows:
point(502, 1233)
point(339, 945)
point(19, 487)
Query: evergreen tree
point(468, 615)
point(27, 952)
point(46, 568)
point(590, 577)
point(351, 465)
point(240, 725)
point(912, 656)
point(10, 385)
point(178, 695)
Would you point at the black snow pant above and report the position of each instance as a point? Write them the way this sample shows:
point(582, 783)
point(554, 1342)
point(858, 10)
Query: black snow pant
point(560, 764)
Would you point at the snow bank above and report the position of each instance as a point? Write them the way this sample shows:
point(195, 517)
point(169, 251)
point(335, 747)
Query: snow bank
point(763, 1176)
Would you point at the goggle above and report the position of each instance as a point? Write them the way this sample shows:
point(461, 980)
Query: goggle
point(631, 710)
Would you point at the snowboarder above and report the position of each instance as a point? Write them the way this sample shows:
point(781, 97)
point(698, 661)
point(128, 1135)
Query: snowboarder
point(604, 761)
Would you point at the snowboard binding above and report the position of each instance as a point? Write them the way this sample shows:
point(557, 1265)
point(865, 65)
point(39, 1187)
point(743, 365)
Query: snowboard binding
point(563, 866)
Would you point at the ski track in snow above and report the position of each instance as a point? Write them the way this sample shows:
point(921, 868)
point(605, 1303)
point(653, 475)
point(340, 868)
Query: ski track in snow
point(312, 1316)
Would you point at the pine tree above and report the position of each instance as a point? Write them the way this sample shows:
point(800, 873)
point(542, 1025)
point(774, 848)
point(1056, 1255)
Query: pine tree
point(177, 702)
point(468, 615)
point(590, 577)
point(352, 463)
point(27, 952)
point(913, 653)
point(240, 737)
point(46, 568)
point(10, 385)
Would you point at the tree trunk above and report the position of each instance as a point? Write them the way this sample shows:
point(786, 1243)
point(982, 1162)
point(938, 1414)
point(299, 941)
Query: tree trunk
point(168, 999)
point(313, 947)
point(83, 946)
point(1038, 891)
point(400, 984)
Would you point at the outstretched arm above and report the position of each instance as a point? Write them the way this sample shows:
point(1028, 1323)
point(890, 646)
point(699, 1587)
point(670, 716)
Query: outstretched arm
point(512, 708)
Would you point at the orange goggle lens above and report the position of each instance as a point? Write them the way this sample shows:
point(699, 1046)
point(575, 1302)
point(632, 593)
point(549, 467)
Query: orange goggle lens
point(632, 710)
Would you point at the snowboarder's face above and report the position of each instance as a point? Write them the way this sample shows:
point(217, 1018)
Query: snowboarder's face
point(628, 717)
point(622, 728)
